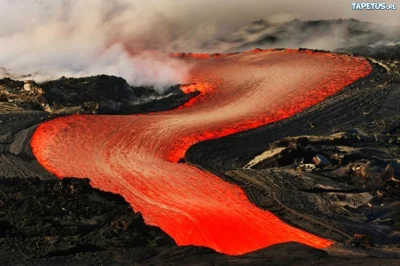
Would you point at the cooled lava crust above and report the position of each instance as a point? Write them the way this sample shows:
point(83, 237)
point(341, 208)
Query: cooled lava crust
point(137, 156)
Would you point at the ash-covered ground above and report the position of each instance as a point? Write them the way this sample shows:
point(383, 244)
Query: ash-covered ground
point(333, 170)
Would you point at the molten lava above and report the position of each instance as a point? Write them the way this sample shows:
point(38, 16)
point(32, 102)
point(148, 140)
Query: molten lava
point(135, 156)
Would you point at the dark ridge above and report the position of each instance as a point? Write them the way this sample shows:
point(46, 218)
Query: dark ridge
point(325, 34)
point(90, 95)
point(383, 51)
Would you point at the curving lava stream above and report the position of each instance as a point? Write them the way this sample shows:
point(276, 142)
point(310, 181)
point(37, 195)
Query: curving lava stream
point(136, 155)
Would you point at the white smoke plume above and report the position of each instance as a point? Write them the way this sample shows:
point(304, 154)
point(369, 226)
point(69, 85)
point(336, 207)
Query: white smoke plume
point(49, 39)
point(132, 38)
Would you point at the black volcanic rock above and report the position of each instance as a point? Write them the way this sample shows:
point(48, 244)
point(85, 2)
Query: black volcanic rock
point(321, 178)
point(63, 217)
point(67, 91)
point(381, 51)
point(95, 95)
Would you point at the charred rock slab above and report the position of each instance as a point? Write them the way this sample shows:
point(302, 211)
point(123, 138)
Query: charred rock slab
point(94, 95)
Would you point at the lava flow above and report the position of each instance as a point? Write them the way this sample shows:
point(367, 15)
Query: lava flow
point(136, 156)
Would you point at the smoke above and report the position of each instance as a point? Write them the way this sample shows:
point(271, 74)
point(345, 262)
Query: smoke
point(132, 38)
point(49, 39)
point(332, 35)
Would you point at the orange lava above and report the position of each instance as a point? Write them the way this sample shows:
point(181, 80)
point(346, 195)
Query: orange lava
point(135, 156)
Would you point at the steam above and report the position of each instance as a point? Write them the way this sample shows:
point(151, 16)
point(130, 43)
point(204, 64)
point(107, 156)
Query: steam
point(82, 38)
point(282, 30)
point(132, 38)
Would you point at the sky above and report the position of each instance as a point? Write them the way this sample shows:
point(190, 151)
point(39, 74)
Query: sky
point(249, 10)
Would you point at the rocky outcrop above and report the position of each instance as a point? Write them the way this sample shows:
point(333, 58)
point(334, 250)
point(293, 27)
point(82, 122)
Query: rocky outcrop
point(91, 95)
point(350, 179)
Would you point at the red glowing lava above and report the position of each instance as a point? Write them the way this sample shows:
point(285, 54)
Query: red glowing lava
point(135, 156)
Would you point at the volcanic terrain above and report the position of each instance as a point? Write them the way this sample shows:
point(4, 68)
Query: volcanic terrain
point(270, 147)
point(240, 91)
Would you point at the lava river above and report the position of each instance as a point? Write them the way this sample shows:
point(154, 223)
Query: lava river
point(136, 155)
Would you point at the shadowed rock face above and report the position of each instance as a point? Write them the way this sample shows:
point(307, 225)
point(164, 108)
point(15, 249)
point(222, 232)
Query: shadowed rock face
point(95, 95)
point(68, 217)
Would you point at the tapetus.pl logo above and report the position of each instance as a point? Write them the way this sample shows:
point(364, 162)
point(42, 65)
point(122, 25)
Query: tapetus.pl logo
point(372, 6)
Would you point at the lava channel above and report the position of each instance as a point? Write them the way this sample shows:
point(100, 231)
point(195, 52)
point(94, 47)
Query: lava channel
point(136, 155)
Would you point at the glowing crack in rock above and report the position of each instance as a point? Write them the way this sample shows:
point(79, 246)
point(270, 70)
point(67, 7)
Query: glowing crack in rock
point(136, 155)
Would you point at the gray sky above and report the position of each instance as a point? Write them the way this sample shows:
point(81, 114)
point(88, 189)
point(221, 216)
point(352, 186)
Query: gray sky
point(248, 10)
